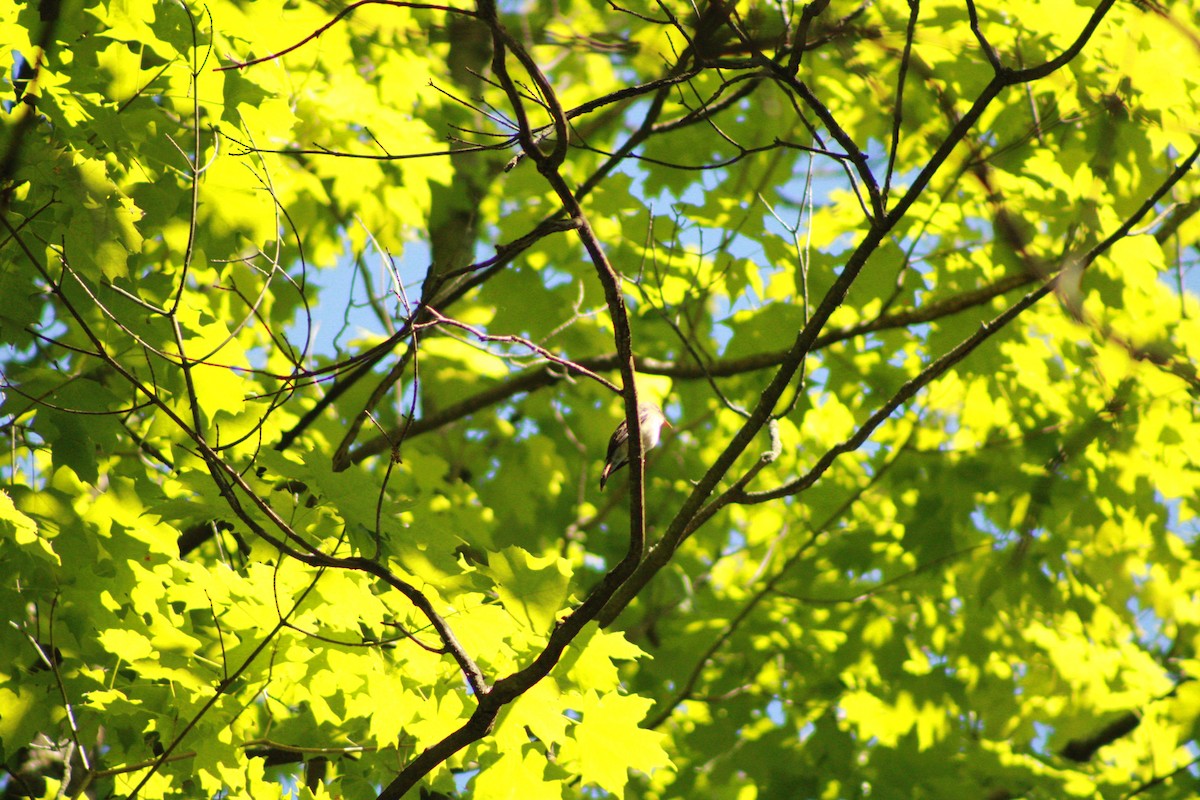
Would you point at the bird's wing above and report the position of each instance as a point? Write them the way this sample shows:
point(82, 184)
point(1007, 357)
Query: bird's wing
point(620, 435)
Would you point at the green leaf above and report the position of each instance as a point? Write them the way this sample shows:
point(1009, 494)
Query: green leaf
point(608, 741)
point(534, 590)
point(23, 531)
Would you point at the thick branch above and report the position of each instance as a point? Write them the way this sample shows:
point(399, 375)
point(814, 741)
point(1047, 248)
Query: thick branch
point(694, 511)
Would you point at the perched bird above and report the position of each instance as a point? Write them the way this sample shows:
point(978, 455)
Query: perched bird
point(651, 421)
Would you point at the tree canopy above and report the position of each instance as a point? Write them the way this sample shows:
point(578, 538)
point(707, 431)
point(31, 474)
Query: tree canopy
point(317, 318)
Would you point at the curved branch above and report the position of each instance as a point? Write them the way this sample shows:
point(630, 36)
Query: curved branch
point(505, 690)
point(345, 12)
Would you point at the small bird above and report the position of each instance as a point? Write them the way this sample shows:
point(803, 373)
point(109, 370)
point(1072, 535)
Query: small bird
point(651, 421)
